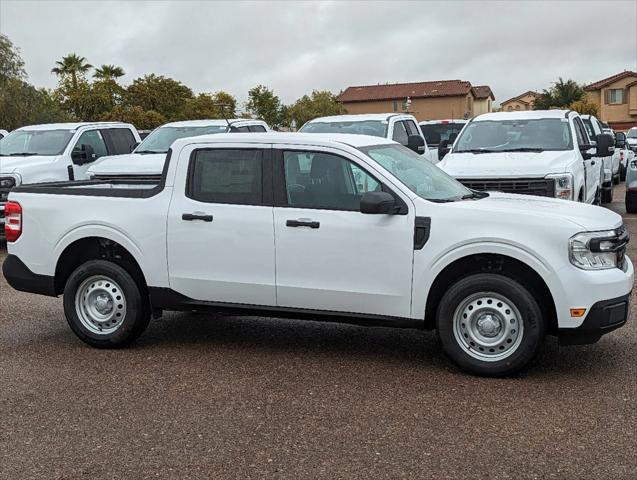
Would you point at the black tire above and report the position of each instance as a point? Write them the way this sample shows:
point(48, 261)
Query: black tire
point(617, 179)
point(631, 203)
point(136, 312)
point(622, 173)
point(533, 324)
point(607, 195)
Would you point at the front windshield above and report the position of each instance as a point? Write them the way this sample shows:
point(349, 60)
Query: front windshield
point(160, 139)
point(25, 143)
point(437, 132)
point(375, 128)
point(420, 176)
point(632, 133)
point(530, 135)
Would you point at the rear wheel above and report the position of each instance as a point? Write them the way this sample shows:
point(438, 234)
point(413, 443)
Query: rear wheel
point(631, 202)
point(104, 305)
point(622, 173)
point(490, 325)
point(607, 195)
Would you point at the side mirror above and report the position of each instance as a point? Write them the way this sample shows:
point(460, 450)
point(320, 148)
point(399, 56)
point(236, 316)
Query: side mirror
point(416, 143)
point(604, 144)
point(620, 140)
point(376, 203)
point(443, 149)
point(86, 154)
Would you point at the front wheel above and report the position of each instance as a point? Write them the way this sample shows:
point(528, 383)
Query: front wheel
point(490, 325)
point(104, 305)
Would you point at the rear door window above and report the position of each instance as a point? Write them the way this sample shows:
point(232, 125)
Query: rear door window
point(257, 128)
point(94, 139)
point(119, 141)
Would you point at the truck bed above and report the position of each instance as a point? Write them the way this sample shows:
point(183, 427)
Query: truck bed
point(128, 188)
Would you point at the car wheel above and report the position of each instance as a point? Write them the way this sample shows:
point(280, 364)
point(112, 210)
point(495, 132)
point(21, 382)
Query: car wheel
point(622, 174)
point(631, 203)
point(617, 179)
point(104, 305)
point(490, 324)
point(607, 195)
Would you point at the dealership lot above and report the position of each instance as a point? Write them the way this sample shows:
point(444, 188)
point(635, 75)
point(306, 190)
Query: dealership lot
point(204, 396)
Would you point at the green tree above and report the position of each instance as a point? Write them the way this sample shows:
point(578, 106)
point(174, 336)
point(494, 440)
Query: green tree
point(264, 104)
point(140, 118)
point(560, 95)
point(11, 64)
point(320, 103)
point(108, 72)
point(72, 66)
point(584, 107)
point(158, 93)
point(205, 106)
point(22, 104)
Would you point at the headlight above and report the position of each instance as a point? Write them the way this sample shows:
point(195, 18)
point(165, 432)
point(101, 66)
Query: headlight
point(563, 185)
point(599, 250)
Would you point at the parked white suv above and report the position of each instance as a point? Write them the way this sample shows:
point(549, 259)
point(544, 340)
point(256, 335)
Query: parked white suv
point(58, 151)
point(349, 228)
point(545, 153)
point(400, 127)
point(147, 160)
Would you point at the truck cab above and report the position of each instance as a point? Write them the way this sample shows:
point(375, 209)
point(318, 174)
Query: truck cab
point(401, 128)
point(545, 153)
point(147, 160)
point(57, 152)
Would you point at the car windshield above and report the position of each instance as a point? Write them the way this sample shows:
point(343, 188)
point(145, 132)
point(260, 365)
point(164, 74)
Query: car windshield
point(437, 132)
point(375, 128)
point(160, 139)
point(420, 176)
point(632, 133)
point(26, 143)
point(530, 135)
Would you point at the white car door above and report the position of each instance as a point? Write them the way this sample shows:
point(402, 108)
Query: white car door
point(220, 228)
point(93, 138)
point(329, 256)
point(592, 166)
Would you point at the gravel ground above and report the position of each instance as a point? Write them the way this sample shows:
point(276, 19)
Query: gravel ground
point(213, 397)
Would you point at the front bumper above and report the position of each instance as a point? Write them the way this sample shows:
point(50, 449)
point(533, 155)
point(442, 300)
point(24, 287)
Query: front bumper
point(603, 317)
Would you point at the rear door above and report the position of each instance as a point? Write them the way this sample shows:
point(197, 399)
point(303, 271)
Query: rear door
point(220, 228)
point(95, 139)
point(329, 256)
point(119, 141)
point(592, 167)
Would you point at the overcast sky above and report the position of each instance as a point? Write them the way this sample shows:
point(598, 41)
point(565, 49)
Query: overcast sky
point(295, 47)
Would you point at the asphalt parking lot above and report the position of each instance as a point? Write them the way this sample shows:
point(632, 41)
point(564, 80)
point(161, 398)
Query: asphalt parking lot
point(214, 397)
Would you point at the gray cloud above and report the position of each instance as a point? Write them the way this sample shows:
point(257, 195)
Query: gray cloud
point(295, 47)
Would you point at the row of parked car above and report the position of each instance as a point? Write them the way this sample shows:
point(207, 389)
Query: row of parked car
point(354, 220)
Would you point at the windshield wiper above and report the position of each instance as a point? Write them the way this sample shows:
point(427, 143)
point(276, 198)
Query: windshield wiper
point(524, 149)
point(478, 150)
point(475, 195)
point(19, 154)
point(151, 151)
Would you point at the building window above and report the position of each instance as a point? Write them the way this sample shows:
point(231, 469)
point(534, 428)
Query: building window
point(615, 96)
point(396, 104)
point(517, 107)
point(509, 108)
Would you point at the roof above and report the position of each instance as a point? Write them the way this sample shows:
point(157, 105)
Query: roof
point(212, 122)
point(441, 88)
point(318, 139)
point(365, 117)
point(521, 114)
point(482, 91)
point(69, 126)
point(519, 97)
point(612, 79)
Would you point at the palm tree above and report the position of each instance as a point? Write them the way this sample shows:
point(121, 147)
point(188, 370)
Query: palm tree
point(71, 65)
point(108, 72)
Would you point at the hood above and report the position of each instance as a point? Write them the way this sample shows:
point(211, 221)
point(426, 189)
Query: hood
point(130, 164)
point(14, 164)
point(587, 217)
point(506, 164)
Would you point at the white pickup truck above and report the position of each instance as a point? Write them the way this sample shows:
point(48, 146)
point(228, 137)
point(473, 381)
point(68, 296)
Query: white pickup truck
point(348, 228)
point(438, 131)
point(147, 160)
point(58, 151)
point(546, 153)
point(399, 127)
point(611, 174)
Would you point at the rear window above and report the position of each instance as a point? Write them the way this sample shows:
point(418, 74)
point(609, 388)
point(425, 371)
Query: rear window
point(437, 132)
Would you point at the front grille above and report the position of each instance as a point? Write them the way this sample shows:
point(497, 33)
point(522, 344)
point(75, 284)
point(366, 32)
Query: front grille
point(525, 186)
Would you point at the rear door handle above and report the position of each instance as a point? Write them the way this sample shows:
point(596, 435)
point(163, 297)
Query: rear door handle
point(189, 217)
point(302, 223)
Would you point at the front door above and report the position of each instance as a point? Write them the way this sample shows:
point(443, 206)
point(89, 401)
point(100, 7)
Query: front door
point(220, 229)
point(329, 256)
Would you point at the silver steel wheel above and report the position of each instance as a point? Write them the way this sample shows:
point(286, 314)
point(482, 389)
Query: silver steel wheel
point(488, 326)
point(100, 305)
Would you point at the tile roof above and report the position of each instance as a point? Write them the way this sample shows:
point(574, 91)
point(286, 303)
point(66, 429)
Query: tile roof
point(442, 88)
point(607, 81)
point(482, 91)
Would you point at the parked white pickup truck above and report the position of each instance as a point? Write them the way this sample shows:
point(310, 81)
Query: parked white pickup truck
point(611, 174)
point(437, 131)
point(366, 232)
point(3, 133)
point(58, 151)
point(147, 160)
point(545, 153)
point(400, 127)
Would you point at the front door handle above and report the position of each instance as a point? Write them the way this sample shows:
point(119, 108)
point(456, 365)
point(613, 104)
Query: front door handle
point(196, 216)
point(302, 223)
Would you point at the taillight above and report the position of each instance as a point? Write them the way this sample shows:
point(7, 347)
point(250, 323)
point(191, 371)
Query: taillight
point(12, 221)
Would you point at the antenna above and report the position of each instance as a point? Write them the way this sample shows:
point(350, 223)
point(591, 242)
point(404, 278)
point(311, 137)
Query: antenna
point(223, 111)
